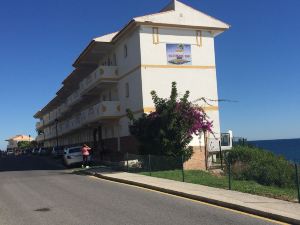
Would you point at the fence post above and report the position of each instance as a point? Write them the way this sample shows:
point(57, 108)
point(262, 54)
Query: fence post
point(221, 156)
point(182, 168)
point(149, 164)
point(229, 175)
point(297, 182)
point(127, 162)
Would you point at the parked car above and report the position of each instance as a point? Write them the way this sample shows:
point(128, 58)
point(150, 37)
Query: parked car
point(43, 151)
point(73, 156)
point(10, 152)
point(57, 152)
point(28, 151)
point(35, 151)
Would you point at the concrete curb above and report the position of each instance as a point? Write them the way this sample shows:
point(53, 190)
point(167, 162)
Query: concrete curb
point(201, 198)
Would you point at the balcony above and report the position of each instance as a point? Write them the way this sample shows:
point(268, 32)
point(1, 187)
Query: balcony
point(103, 110)
point(46, 120)
point(61, 110)
point(96, 113)
point(39, 124)
point(63, 127)
point(106, 110)
point(40, 138)
point(75, 122)
point(74, 98)
point(103, 75)
point(51, 117)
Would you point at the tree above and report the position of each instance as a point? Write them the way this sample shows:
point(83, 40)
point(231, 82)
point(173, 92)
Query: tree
point(27, 144)
point(24, 144)
point(170, 129)
point(38, 131)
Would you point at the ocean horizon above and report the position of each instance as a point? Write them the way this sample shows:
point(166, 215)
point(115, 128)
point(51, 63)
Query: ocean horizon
point(289, 148)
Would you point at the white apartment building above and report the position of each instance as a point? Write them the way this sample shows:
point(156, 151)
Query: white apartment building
point(119, 70)
point(13, 141)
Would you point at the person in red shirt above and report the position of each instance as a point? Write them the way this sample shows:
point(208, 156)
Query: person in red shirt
point(85, 150)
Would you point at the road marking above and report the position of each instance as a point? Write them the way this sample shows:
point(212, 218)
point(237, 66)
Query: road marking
point(193, 200)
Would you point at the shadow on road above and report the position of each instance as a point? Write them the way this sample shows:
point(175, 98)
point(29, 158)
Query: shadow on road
point(94, 170)
point(29, 162)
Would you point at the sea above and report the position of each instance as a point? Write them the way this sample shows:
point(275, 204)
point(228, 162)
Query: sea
point(289, 148)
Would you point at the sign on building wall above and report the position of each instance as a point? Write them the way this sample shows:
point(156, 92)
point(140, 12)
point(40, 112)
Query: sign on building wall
point(179, 54)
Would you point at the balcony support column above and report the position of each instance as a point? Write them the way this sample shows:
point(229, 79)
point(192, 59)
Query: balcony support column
point(118, 137)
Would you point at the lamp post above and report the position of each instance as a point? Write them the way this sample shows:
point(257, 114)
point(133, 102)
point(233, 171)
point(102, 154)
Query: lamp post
point(56, 123)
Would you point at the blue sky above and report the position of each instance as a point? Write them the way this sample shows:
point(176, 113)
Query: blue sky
point(258, 62)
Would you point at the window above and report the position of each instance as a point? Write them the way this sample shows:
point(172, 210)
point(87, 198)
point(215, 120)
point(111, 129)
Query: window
point(74, 150)
point(127, 90)
point(199, 38)
point(155, 35)
point(225, 139)
point(125, 51)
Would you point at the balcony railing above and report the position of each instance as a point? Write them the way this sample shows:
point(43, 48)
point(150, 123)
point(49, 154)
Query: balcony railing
point(56, 114)
point(102, 110)
point(39, 124)
point(74, 98)
point(103, 74)
point(46, 120)
point(40, 138)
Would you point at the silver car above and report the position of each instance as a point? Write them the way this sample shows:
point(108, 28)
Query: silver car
point(73, 156)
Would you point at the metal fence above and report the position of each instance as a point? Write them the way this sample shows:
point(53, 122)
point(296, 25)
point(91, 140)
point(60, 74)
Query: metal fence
point(239, 141)
point(228, 177)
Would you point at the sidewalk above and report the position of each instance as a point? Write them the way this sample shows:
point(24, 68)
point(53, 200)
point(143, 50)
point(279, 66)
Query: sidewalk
point(262, 206)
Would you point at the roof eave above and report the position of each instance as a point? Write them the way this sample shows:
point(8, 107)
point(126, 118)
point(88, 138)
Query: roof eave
point(124, 30)
point(84, 52)
point(37, 115)
point(182, 26)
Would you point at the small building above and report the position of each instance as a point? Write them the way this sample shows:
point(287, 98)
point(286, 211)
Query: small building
point(118, 71)
point(13, 141)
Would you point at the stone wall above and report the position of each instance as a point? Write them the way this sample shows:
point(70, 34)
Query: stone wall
point(197, 161)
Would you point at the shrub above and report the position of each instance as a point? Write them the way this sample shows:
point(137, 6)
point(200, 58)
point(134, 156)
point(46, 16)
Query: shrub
point(262, 166)
point(170, 128)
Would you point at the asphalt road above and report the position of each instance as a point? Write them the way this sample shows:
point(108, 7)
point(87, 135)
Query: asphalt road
point(39, 191)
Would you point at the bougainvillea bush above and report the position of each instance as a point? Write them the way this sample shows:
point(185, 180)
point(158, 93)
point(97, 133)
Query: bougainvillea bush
point(170, 128)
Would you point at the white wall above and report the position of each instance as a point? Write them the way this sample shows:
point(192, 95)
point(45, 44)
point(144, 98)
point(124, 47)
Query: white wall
point(125, 65)
point(155, 74)
point(156, 53)
point(159, 75)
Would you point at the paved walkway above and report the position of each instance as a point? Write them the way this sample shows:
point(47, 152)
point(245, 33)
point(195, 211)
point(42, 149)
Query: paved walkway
point(267, 207)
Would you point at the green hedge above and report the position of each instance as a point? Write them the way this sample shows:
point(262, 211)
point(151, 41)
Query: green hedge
point(262, 166)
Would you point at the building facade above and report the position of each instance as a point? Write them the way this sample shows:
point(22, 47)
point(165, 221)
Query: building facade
point(118, 71)
point(13, 141)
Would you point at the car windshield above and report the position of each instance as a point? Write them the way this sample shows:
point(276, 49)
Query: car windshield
point(74, 150)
